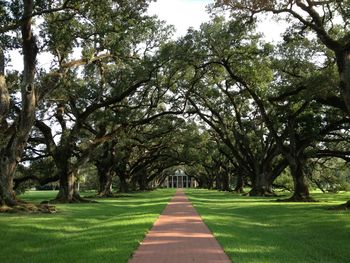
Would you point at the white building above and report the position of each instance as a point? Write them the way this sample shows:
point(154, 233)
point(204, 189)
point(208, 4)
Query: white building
point(179, 180)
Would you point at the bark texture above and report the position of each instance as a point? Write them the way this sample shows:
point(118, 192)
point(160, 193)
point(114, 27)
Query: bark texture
point(105, 182)
point(124, 185)
point(239, 184)
point(301, 189)
point(4, 95)
point(262, 185)
point(15, 138)
point(225, 184)
point(68, 192)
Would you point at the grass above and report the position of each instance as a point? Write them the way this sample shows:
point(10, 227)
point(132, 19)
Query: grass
point(250, 229)
point(259, 230)
point(108, 231)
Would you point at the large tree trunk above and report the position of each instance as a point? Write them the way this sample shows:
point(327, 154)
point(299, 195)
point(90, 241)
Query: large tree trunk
point(13, 140)
point(67, 173)
point(66, 187)
point(210, 183)
point(7, 167)
point(301, 188)
point(225, 183)
point(201, 183)
point(7, 195)
point(218, 181)
point(124, 185)
point(105, 165)
point(142, 182)
point(68, 192)
point(239, 184)
point(105, 177)
point(343, 62)
point(262, 185)
point(4, 96)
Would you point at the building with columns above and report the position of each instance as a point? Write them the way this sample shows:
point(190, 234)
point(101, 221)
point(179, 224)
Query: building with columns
point(179, 180)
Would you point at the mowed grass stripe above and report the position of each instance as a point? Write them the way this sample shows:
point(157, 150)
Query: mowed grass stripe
point(108, 231)
point(259, 230)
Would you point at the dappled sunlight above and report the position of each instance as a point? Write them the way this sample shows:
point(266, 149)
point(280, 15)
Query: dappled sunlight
point(253, 249)
point(261, 230)
point(110, 229)
point(250, 229)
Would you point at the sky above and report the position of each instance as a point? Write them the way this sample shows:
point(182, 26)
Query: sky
point(191, 13)
point(181, 13)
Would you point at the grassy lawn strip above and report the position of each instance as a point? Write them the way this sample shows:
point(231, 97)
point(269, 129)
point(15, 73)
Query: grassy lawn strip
point(108, 231)
point(258, 230)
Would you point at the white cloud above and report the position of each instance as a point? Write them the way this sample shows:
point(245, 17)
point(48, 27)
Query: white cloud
point(181, 13)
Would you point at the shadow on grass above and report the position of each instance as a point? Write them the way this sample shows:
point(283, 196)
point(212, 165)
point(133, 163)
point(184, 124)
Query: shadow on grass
point(108, 231)
point(258, 230)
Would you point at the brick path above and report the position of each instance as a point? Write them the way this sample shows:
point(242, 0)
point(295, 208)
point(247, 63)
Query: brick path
point(179, 236)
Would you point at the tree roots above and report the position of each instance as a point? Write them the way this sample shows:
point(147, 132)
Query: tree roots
point(65, 200)
point(24, 207)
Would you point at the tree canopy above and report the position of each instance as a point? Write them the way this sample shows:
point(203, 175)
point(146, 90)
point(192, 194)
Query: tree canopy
point(221, 103)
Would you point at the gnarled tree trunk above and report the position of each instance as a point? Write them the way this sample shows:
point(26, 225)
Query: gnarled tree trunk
point(225, 182)
point(105, 176)
point(210, 184)
point(262, 185)
point(218, 181)
point(301, 188)
point(7, 195)
point(7, 167)
point(105, 169)
point(239, 184)
point(343, 62)
point(66, 193)
point(222, 180)
point(67, 177)
point(14, 139)
point(142, 181)
point(4, 96)
point(124, 185)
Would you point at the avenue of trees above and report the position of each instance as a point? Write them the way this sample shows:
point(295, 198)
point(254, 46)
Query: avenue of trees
point(106, 86)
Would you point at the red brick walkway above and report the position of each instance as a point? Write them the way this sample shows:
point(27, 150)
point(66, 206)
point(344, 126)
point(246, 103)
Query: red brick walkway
point(179, 236)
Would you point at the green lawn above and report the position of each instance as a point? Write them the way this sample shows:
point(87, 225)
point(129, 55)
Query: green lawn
point(260, 230)
point(250, 229)
point(108, 231)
